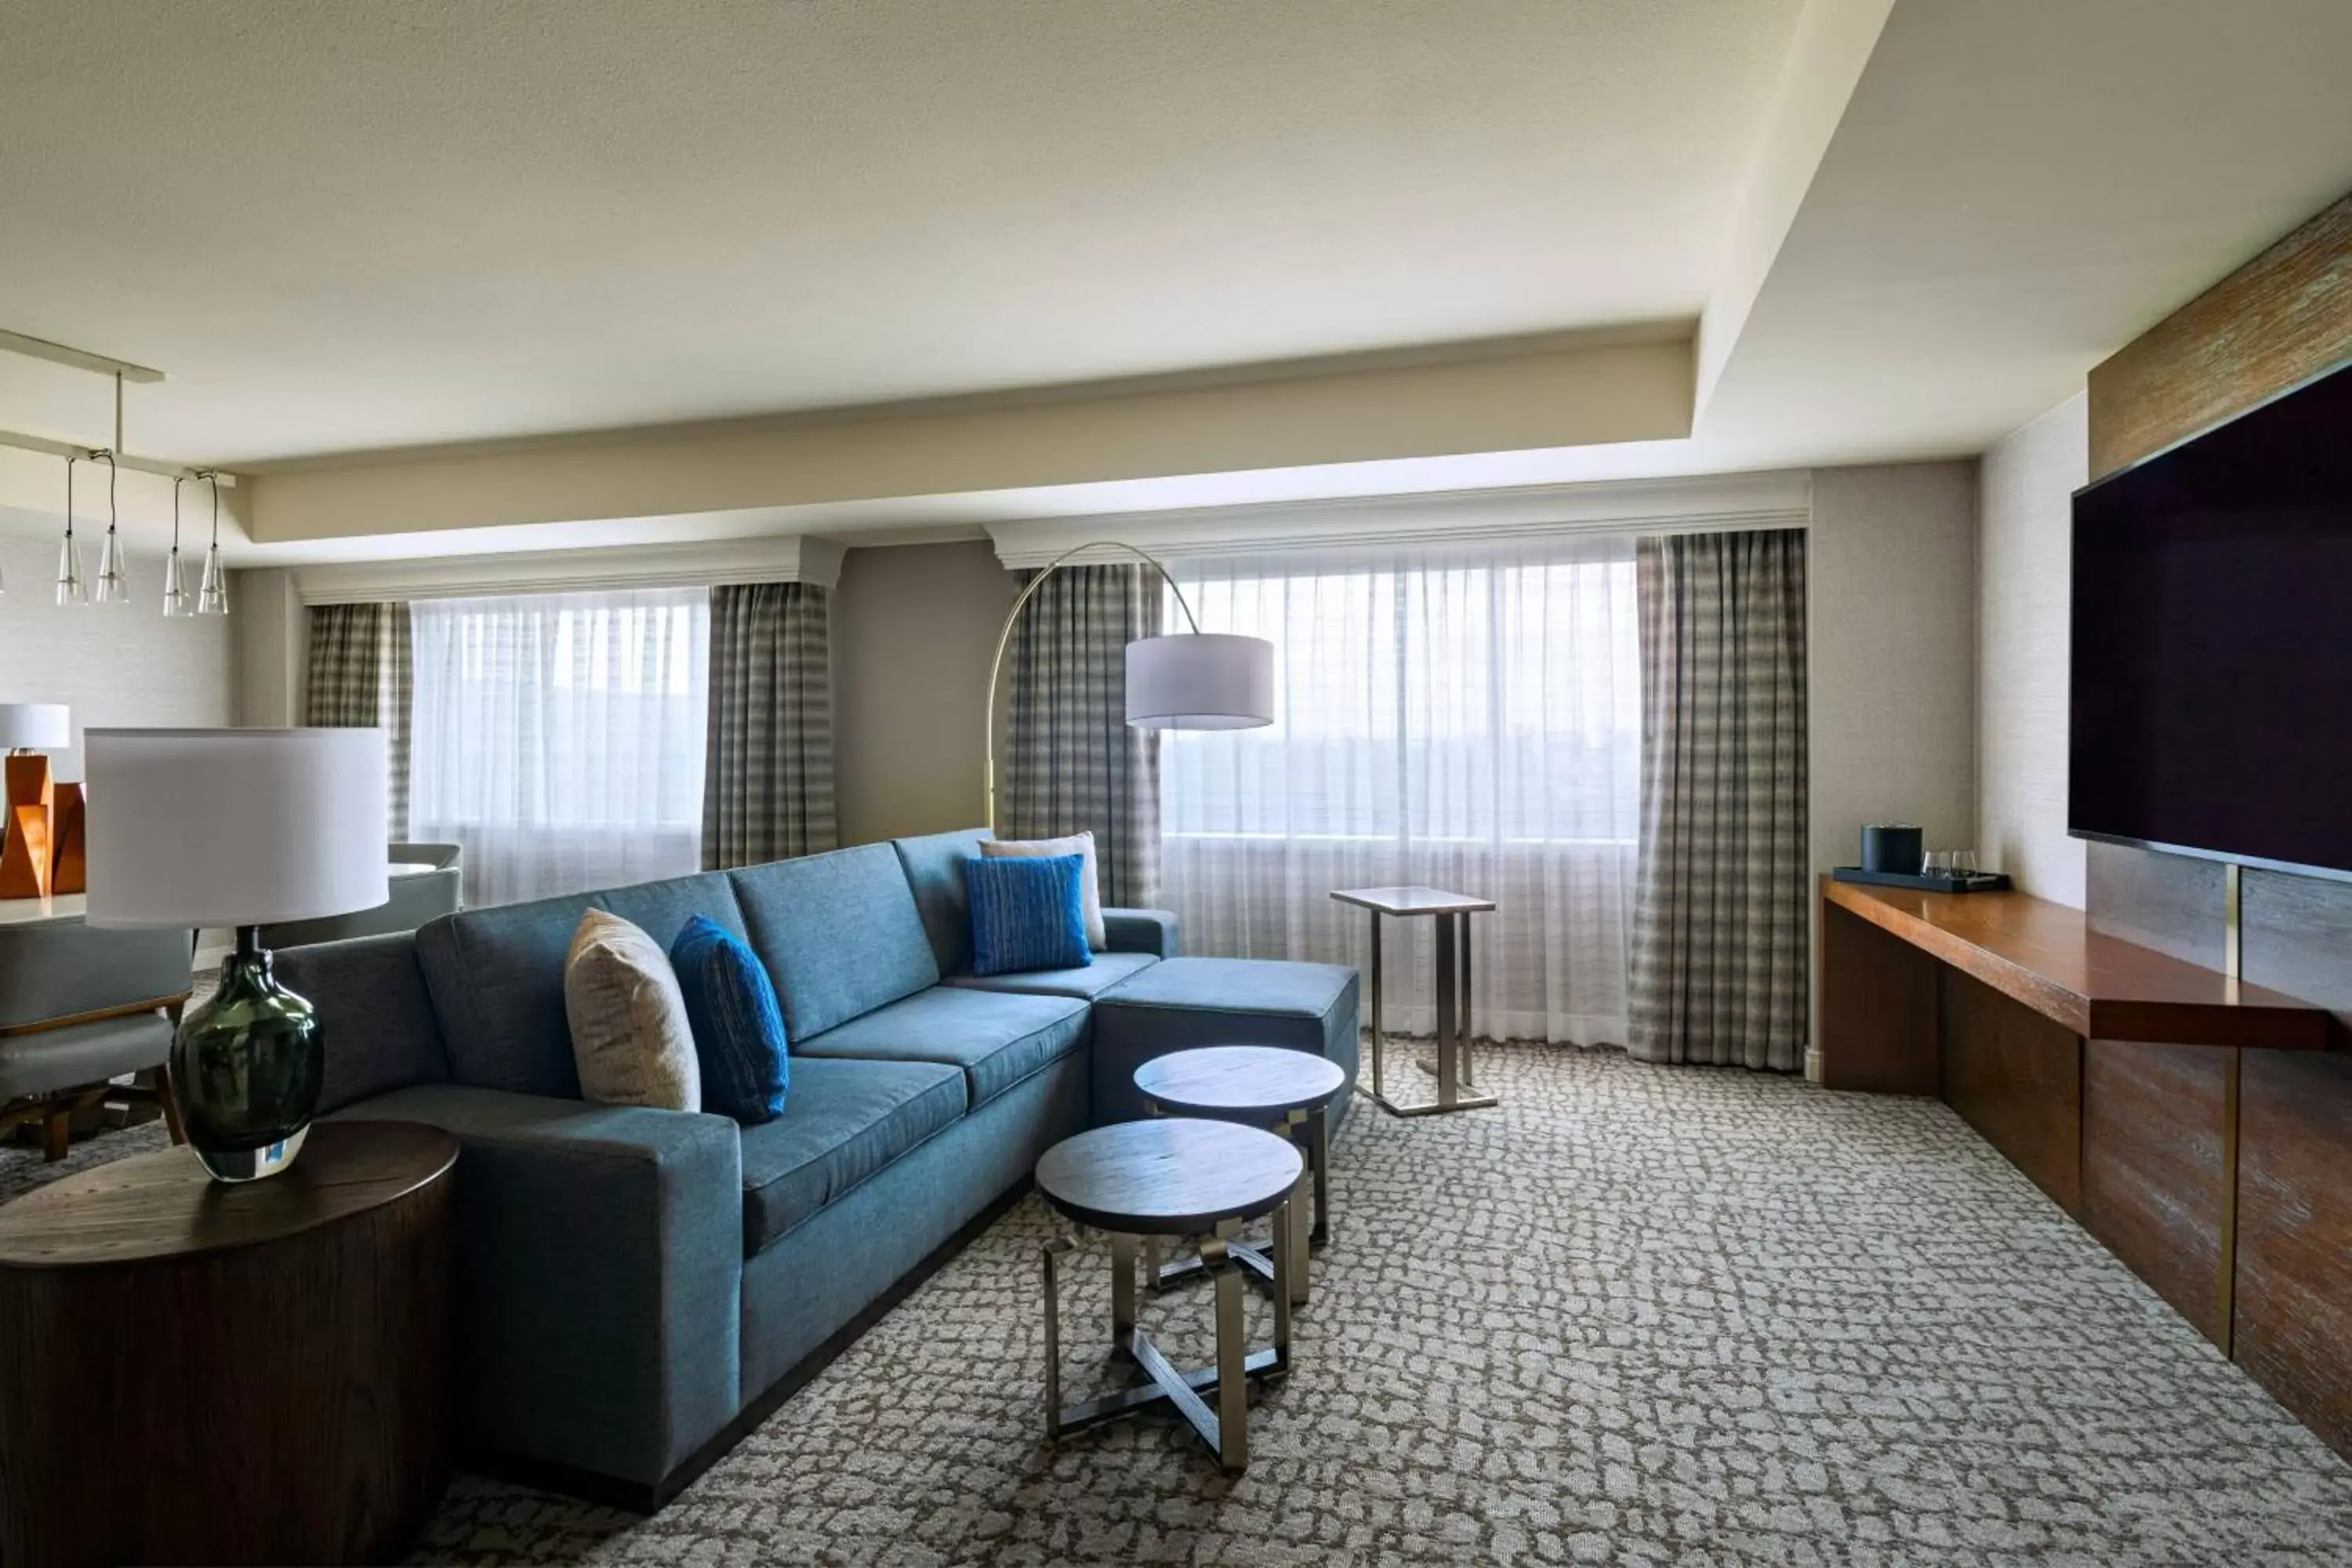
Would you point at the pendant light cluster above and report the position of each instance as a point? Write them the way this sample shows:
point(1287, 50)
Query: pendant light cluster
point(111, 586)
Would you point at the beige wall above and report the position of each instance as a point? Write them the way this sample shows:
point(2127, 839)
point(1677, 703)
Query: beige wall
point(914, 627)
point(272, 644)
point(2024, 580)
point(1892, 694)
point(116, 665)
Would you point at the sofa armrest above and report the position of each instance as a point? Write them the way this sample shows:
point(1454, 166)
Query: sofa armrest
point(1142, 931)
point(600, 1274)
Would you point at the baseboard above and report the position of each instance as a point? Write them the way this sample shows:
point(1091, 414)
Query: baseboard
point(636, 1497)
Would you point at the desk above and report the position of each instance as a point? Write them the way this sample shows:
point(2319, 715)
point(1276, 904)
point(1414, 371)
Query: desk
point(2134, 1088)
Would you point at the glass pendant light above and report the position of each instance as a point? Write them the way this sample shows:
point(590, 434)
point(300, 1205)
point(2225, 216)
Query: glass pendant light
point(175, 588)
point(72, 588)
point(113, 586)
point(212, 592)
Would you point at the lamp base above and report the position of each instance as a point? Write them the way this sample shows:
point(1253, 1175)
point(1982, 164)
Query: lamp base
point(247, 1066)
point(250, 1164)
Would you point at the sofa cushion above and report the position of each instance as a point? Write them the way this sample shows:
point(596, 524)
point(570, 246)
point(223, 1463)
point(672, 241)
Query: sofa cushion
point(1027, 913)
point(1085, 982)
point(630, 1037)
point(1180, 1003)
point(845, 1121)
point(839, 933)
point(934, 866)
point(497, 975)
point(998, 1039)
point(375, 1017)
point(1081, 845)
point(739, 1025)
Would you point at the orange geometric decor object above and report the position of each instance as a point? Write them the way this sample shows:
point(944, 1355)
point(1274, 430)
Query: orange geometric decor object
point(25, 854)
point(68, 872)
point(25, 858)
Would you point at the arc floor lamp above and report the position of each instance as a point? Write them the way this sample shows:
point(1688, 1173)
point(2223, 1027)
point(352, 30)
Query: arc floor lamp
point(1184, 680)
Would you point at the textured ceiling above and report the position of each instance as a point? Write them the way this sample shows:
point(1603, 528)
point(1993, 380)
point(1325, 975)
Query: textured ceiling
point(344, 226)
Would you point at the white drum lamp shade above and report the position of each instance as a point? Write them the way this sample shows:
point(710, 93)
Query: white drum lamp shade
point(233, 827)
point(1200, 680)
point(41, 726)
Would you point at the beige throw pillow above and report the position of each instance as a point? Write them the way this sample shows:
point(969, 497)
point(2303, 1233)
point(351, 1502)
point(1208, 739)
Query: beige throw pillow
point(629, 1033)
point(1089, 889)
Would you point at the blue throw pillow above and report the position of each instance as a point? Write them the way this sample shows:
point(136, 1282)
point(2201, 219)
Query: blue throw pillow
point(738, 1030)
point(1027, 912)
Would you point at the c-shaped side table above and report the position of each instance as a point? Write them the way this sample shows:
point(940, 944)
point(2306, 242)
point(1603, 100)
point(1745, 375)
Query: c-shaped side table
point(1452, 912)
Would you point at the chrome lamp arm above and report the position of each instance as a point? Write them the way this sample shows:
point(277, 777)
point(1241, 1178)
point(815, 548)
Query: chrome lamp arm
point(1004, 639)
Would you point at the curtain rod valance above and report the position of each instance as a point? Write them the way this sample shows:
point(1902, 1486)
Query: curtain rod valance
point(1705, 504)
point(792, 558)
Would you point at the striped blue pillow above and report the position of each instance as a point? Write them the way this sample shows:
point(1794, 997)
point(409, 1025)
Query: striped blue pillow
point(1027, 912)
point(738, 1030)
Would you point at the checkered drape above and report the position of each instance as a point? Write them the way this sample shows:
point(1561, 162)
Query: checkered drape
point(1720, 916)
point(766, 783)
point(1073, 763)
point(361, 677)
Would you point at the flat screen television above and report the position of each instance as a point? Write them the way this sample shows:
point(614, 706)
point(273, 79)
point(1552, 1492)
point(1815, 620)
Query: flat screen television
point(2211, 678)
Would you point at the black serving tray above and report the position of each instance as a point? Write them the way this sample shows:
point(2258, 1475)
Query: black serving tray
point(1973, 882)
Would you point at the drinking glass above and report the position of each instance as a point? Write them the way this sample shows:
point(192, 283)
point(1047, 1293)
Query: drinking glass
point(1936, 863)
point(1964, 862)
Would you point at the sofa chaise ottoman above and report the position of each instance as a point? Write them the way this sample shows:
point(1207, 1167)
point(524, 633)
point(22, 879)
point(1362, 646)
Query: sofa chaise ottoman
point(638, 1287)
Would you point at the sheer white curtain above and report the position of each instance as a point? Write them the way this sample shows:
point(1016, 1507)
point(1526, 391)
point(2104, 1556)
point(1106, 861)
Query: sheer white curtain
point(558, 737)
point(1470, 720)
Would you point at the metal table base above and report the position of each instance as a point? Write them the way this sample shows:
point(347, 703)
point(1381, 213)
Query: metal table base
point(1453, 1065)
point(1224, 1428)
point(1308, 1227)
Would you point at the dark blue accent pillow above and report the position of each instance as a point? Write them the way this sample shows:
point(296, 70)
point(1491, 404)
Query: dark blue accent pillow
point(738, 1030)
point(1028, 911)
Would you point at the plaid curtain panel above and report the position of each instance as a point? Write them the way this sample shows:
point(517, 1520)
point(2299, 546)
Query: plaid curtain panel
point(1720, 918)
point(361, 677)
point(766, 783)
point(1072, 761)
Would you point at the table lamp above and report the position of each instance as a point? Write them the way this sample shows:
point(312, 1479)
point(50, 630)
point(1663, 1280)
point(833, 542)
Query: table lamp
point(242, 828)
point(27, 827)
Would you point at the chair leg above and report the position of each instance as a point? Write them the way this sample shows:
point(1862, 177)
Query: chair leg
point(168, 1099)
point(56, 1135)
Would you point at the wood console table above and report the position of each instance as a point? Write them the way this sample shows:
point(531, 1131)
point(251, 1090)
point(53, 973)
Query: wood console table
point(2142, 1093)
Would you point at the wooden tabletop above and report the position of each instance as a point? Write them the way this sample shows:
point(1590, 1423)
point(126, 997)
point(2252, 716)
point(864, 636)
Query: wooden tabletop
point(165, 1206)
point(1256, 1082)
point(1415, 900)
point(1173, 1176)
point(2047, 956)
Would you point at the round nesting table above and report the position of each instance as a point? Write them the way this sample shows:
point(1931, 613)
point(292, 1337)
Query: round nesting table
point(197, 1373)
point(1180, 1178)
point(1259, 1086)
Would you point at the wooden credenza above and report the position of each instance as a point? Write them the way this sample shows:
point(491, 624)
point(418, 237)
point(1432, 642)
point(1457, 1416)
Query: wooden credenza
point(2198, 1127)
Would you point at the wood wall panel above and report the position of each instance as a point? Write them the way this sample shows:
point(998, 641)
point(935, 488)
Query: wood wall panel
point(2016, 1078)
point(2281, 319)
point(2154, 1173)
point(1878, 1009)
point(2294, 1236)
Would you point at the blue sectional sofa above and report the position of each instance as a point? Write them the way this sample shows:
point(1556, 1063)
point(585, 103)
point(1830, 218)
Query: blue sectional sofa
point(640, 1287)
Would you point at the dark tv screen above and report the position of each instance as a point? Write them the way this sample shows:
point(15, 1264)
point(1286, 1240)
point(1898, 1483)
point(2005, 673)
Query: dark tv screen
point(2212, 641)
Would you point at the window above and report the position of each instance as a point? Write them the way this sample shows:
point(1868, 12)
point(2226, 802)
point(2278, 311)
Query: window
point(1470, 720)
point(560, 737)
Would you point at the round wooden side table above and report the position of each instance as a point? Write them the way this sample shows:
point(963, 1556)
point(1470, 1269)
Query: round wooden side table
point(197, 1373)
point(1181, 1178)
point(1285, 1092)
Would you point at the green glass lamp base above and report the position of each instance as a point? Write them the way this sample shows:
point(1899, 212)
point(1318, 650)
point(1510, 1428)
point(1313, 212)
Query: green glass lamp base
point(246, 1066)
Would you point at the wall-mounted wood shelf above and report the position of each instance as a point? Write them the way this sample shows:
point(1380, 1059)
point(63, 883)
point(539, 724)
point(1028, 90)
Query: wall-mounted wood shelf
point(2047, 956)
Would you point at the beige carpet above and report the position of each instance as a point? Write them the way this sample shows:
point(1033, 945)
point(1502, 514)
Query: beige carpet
point(1637, 1315)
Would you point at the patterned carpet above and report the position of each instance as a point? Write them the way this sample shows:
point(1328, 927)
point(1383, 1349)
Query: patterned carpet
point(1638, 1315)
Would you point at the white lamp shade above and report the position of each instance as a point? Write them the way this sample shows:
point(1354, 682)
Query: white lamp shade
point(1200, 680)
point(44, 725)
point(233, 827)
